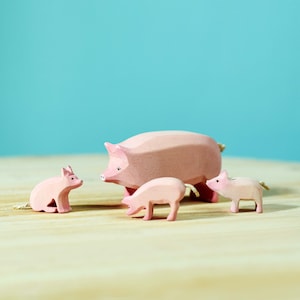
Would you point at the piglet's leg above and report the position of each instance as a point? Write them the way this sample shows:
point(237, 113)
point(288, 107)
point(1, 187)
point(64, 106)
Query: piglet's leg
point(63, 205)
point(173, 213)
point(148, 212)
point(50, 207)
point(234, 205)
point(258, 204)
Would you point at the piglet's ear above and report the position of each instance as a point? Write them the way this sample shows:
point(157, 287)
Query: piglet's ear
point(64, 172)
point(224, 174)
point(68, 168)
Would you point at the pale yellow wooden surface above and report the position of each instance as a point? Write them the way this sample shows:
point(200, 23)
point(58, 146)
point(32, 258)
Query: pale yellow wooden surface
point(97, 252)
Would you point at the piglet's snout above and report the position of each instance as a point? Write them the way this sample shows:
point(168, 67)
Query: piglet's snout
point(102, 177)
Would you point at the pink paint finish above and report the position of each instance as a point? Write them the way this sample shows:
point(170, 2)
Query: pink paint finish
point(164, 190)
point(238, 188)
point(191, 157)
point(52, 195)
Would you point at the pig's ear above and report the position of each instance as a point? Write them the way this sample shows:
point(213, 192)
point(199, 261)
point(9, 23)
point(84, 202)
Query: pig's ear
point(68, 168)
point(64, 172)
point(224, 174)
point(110, 147)
point(122, 149)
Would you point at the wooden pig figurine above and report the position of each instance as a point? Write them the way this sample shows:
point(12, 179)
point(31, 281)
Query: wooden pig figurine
point(188, 156)
point(237, 189)
point(52, 194)
point(164, 190)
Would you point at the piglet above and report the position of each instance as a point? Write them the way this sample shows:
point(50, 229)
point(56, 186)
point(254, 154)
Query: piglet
point(52, 195)
point(238, 188)
point(162, 190)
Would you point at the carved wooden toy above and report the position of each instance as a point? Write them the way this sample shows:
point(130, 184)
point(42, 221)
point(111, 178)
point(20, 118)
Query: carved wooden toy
point(52, 195)
point(238, 188)
point(191, 157)
point(164, 190)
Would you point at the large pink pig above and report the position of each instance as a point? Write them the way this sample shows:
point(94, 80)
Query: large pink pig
point(188, 156)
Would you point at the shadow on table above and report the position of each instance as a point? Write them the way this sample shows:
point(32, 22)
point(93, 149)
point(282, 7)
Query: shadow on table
point(213, 212)
point(89, 207)
point(198, 215)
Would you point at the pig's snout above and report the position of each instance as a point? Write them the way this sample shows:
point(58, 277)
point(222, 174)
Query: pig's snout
point(102, 177)
point(79, 182)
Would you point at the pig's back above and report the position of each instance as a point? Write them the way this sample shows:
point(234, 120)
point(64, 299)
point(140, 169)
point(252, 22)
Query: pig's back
point(160, 140)
point(189, 156)
point(44, 191)
point(161, 188)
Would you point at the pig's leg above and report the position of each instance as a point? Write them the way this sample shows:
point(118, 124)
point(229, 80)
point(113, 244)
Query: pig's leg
point(148, 212)
point(206, 194)
point(258, 204)
point(173, 213)
point(234, 205)
point(257, 197)
point(63, 205)
point(51, 207)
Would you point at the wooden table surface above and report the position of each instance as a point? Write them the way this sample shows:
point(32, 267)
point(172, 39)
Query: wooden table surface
point(98, 252)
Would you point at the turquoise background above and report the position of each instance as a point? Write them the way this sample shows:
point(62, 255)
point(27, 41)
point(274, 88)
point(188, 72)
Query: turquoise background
point(74, 74)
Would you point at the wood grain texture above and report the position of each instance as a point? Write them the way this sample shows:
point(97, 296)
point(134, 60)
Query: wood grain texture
point(98, 252)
